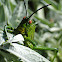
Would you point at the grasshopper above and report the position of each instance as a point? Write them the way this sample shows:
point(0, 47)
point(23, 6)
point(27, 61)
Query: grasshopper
point(27, 29)
point(27, 26)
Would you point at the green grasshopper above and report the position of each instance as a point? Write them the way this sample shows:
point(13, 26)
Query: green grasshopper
point(27, 26)
point(27, 29)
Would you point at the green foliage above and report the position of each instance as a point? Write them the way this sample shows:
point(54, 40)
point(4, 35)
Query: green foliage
point(48, 32)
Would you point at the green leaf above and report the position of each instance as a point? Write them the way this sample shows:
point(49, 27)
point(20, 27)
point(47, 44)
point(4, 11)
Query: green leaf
point(54, 4)
point(2, 17)
point(12, 5)
point(44, 21)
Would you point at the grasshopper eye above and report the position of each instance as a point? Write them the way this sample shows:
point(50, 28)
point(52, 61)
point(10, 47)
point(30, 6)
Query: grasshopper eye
point(30, 21)
point(24, 17)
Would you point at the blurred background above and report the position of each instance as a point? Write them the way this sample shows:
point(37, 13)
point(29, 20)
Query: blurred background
point(48, 22)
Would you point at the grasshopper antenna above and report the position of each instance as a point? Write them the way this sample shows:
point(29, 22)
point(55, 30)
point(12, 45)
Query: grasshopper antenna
point(25, 7)
point(38, 10)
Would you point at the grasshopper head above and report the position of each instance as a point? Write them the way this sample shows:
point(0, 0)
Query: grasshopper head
point(27, 20)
